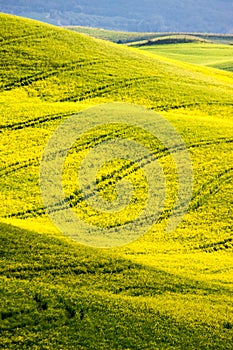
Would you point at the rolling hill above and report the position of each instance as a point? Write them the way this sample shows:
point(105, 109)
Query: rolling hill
point(164, 291)
point(205, 54)
point(213, 50)
point(134, 38)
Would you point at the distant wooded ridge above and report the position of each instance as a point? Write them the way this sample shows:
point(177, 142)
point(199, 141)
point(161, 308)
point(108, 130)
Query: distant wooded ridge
point(132, 15)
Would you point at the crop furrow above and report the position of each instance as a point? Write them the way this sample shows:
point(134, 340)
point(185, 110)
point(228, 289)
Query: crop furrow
point(11, 168)
point(26, 81)
point(76, 269)
point(33, 122)
point(226, 243)
point(20, 38)
point(104, 89)
point(209, 188)
point(14, 167)
point(188, 105)
point(211, 142)
point(76, 197)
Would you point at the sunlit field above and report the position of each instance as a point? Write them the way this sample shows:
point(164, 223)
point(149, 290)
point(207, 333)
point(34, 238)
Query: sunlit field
point(213, 55)
point(163, 291)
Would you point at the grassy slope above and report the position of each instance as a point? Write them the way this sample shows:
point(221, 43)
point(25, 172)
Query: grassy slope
point(55, 294)
point(213, 55)
point(176, 290)
point(130, 37)
point(111, 35)
point(204, 49)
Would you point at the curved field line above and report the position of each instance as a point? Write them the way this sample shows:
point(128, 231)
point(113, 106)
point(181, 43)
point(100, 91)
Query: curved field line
point(19, 165)
point(76, 197)
point(75, 268)
point(14, 167)
point(33, 122)
point(208, 188)
point(227, 243)
point(21, 38)
point(186, 105)
point(103, 89)
point(4, 171)
point(124, 171)
point(26, 81)
point(198, 199)
point(211, 142)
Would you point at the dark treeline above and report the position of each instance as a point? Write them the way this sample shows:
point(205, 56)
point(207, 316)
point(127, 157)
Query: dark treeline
point(131, 15)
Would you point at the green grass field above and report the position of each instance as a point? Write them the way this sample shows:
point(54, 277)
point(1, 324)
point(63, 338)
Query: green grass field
point(164, 291)
point(133, 37)
point(212, 50)
point(111, 35)
point(207, 54)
